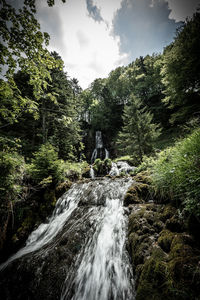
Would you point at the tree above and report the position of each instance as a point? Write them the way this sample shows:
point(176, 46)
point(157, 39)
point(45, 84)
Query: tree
point(181, 71)
point(58, 118)
point(142, 78)
point(22, 47)
point(138, 132)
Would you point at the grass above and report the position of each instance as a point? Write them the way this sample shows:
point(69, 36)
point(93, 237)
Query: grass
point(176, 173)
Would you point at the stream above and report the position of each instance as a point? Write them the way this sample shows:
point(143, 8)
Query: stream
point(79, 253)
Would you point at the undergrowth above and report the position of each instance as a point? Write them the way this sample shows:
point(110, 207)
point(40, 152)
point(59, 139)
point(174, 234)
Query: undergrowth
point(176, 173)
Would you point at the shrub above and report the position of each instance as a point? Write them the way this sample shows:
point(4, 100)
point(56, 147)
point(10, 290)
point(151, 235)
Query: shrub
point(12, 168)
point(102, 167)
point(46, 164)
point(146, 164)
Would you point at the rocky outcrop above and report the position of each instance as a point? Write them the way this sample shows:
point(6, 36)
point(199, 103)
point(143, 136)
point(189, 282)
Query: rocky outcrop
point(165, 258)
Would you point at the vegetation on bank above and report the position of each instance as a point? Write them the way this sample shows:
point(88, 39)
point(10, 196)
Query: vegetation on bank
point(176, 173)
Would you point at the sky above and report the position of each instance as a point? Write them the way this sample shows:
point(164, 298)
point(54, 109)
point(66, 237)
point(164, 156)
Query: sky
point(93, 37)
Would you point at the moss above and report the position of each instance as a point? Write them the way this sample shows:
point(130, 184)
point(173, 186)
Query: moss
point(131, 198)
point(62, 188)
point(154, 282)
point(137, 193)
point(175, 224)
point(143, 177)
point(166, 262)
point(165, 240)
point(168, 212)
point(158, 226)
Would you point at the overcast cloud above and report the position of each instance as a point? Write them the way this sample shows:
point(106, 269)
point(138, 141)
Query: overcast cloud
point(94, 37)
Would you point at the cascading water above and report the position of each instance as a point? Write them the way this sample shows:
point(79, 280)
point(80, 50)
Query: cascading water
point(120, 167)
point(104, 270)
point(47, 231)
point(80, 253)
point(99, 151)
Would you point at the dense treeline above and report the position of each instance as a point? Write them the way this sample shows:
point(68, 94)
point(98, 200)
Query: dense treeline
point(167, 85)
point(44, 105)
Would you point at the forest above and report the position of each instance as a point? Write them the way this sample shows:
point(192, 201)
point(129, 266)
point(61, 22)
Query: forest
point(148, 113)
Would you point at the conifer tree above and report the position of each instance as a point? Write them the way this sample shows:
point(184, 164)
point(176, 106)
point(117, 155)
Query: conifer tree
point(139, 132)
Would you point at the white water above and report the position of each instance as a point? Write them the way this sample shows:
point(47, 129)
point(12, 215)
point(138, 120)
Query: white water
point(106, 153)
point(92, 174)
point(104, 271)
point(98, 151)
point(119, 167)
point(47, 231)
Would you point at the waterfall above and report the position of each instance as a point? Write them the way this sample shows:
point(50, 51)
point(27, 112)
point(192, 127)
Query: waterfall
point(47, 231)
point(82, 248)
point(103, 268)
point(99, 151)
point(92, 174)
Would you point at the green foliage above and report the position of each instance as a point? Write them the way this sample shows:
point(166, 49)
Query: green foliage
point(22, 47)
point(55, 119)
point(138, 132)
point(176, 173)
point(46, 165)
point(126, 158)
point(180, 71)
point(102, 167)
point(12, 169)
point(76, 168)
point(146, 164)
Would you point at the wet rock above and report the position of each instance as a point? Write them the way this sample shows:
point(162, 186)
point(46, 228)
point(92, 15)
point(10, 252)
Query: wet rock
point(137, 193)
point(166, 260)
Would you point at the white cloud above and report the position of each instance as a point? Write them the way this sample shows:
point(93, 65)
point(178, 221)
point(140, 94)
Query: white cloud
point(181, 9)
point(88, 49)
point(108, 9)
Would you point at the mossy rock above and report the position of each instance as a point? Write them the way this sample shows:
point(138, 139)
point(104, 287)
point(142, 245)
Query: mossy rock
point(154, 282)
point(131, 198)
point(158, 226)
point(26, 227)
point(143, 177)
point(86, 172)
point(137, 193)
point(102, 167)
point(62, 188)
point(169, 212)
point(180, 246)
point(165, 240)
point(175, 224)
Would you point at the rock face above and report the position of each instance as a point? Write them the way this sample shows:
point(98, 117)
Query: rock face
point(166, 259)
